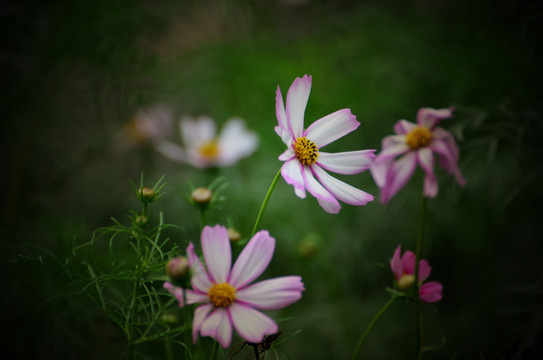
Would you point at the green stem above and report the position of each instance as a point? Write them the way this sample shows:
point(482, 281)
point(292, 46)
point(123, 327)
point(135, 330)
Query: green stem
point(168, 348)
point(265, 202)
point(215, 350)
point(418, 312)
point(370, 326)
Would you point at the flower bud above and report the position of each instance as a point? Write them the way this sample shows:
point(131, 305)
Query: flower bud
point(406, 281)
point(178, 268)
point(201, 195)
point(169, 319)
point(146, 194)
point(233, 235)
point(141, 220)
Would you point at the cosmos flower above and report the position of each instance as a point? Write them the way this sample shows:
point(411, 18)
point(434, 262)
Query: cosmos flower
point(416, 144)
point(228, 295)
point(403, 268)
point(305, 164)
point(203, 148)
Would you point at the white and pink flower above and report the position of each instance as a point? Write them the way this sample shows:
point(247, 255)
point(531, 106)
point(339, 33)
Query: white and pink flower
point(203, 148)
point(305, 164)
point(416, 144)
point(228, 295)
point(403, 268)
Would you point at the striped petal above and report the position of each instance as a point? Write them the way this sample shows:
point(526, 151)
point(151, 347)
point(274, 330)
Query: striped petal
point(431, 117)
point(253, 260)
point(292, 173)
point(400, 172)
point(340, 190)
point(426, 160)
point(217, 252)
point(349, 162)
point(200, 314)
point(251, 324)
point(297, 97)
point(272, 294)
point(218, 326)
point(332, 127)
point(319, 192)
point(199, 279)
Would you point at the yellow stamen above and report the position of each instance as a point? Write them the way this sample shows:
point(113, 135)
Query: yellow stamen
point(222, 294)
point(306, 150)
point(406, 281)
point(209, 150)
point(418, 137)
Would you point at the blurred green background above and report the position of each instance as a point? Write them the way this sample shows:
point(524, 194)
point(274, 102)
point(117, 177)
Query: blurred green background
point(76, 72)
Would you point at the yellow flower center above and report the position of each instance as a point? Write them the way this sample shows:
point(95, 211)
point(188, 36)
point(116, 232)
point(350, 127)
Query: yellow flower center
point(418, 137)
point(222, 294)
point(306, 150)
point(210, 149)
point(406, 281)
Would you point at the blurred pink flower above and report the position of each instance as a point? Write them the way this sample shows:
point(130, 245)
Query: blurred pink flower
point(403, 268)
point(229, 299)
point(204, 148)
point(416, 143)
point(305, 163)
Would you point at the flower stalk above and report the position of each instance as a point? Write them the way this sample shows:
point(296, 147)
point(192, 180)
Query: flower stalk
point(418, 250)
point(265, 202)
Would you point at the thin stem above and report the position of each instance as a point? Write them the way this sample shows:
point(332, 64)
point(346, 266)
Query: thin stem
point(418, 312)
point(265, 202)
point(215, 350)
point(168, 348)
point(370, 326)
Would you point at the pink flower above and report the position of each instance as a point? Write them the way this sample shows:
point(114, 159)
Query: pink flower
point(203, 148)
point(403, 268)
point(416, 143)
point(305, 163)
point(228, 297)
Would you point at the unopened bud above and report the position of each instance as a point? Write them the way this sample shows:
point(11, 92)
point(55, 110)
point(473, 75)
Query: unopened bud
point(233, 235)
point(146, 194)
point(201, 195)
point(169, 319)
point(141, 220)
point(406, 281)
point(178, 268)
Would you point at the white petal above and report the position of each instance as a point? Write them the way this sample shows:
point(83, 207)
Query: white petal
point(331, 127)
point(200, 313)
point(292, 173)
point(235, 142)
point(218, 326)
point(340, 190)
point(287, 155)
point(196, 132)
point(251, 324)
point(253, 260)
point(297, 97)
point(326, 200)
point(349, 162)
point(199, 279)
point(283, 128)
point(272, 294)
point(217, 252)
point(170, 150)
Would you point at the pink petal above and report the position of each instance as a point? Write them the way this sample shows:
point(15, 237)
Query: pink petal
point(424, 270)
point(431, 117)
point(217, 252)
point(288, 154)
point(426, 160)
point(297, 97)
point(396, 264)
point(283, 128)
point(408, 262)
point(384, 162)
point(398, 175)
point(318, 191)
point(235, 142)
point(200, 313)
point(292, 173)
point(340, 190)
point(199, 279)
point(170, 150)
point(332, 127)
point(177, 292)
point(402, 127)
point(251, 324)
point(331, 207)
point(218, 326)
point(349, 162)
point(272, 294)
point(431, 292)
point(448, 159)
point(253, 260)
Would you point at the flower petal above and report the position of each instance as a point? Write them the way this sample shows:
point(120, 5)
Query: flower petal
point(448, 158)
point(349, 162)
point(195, 132)
point(331, 127)
point(218, 326)
point(272, 294)
point(297, 97)
point(283, 128)
point(251, 324)
point(177, 292)
point(424, 270)
point(235, 142)
point(408, 262)
point(431, 117)
point(253, 260)
point(330, 203)
point(217, 252)
point(426, 160)
point(200, 313)
point(431, 292)
point(398, 175)
point(340, 190)
point(199, 279)
point(288, 154)
point(384, 162)
point(396, 264)
point(402, 127)
point(292, 173)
